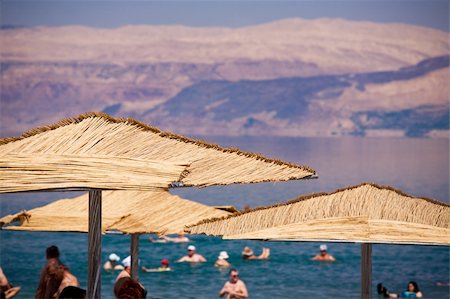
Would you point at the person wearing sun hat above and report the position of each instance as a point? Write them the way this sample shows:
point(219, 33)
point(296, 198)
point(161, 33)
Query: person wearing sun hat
point(112, 263)
point(247, 254)
point(323, 255)
point(192, 256)
point(126, 272)
point(222, 260)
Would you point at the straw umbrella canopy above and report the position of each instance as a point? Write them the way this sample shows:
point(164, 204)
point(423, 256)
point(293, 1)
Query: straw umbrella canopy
point(363, 213)
point(95, 151)
point(79, 152)
point(129, 212)
point(366, 213)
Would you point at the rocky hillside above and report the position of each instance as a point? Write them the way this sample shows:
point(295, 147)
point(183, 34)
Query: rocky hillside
point(292, 77)
point(317, 105)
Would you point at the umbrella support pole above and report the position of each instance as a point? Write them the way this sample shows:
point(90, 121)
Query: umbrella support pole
point(366, 271)
point(94, 244)
point(134, 249)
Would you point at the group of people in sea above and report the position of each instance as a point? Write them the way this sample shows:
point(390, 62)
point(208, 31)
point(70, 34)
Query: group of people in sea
point(56, 280)
point(233, 288)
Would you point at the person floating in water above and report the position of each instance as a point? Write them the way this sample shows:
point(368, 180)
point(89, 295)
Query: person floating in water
point(443, 284)
point(247, 254)
point(192, 256)
point(164, 267)
point(412, 291)
point(180, 239)
point(161, 239)
point(222, 260)
point(323, 255)
point(112, 263)
point(234, 288)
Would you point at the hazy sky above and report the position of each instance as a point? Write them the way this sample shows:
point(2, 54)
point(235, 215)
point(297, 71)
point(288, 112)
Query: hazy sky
point(431, 13)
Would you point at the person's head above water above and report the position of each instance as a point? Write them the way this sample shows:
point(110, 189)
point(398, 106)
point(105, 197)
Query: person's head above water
point(413, 287)
point(126, 262)
point(114, 257)
point(52, 252)
point(247, 251)
point(234, 275)
point(223, 255)
point(191, 250)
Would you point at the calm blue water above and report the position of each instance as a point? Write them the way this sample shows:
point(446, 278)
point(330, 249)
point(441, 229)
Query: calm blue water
point(416, 166)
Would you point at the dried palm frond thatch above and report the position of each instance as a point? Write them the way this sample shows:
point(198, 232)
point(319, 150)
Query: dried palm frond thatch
point(366, 212)
point(99, 136)
point(48, 171)
point(126, 211)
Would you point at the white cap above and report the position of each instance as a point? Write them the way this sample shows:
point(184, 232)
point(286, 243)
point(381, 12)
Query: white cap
point(114, 257)
point(323, 247)
point(127, 261)
point(223, 255)
point(191, 247)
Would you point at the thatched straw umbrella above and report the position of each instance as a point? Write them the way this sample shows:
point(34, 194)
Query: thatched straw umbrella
point(365, 214)
point(129, 212)
point(95, 151)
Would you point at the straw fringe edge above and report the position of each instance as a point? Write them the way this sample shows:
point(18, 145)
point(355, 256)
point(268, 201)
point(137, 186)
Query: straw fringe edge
point(145, 127)
point(314, 195)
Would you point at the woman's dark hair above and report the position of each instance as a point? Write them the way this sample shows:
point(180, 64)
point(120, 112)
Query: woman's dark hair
point(51, 278)
point(52, 252)
point(416, 287)
point(72, 292)
point(128, 288)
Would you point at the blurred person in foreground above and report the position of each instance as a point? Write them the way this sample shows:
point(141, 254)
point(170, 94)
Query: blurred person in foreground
point(7, 290)
point(55, 276)
point(128, 288)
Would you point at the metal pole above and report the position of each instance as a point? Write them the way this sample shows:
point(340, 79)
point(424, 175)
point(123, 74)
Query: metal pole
point(134, 249)
point(94, 244)
point(366, 271)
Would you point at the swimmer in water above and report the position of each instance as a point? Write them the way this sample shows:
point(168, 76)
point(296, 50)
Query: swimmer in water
point(412, 291)
point(192, 256)
point(234, 288)
point(164, 267)
point(247, 254)
point(112, 263)
point(180, 239)
point(323, 255)
point(222, 260)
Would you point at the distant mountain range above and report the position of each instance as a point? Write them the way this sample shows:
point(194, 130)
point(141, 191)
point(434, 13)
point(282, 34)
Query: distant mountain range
point(294, 77)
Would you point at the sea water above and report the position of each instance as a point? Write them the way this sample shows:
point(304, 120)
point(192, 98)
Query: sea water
point(419, 167)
